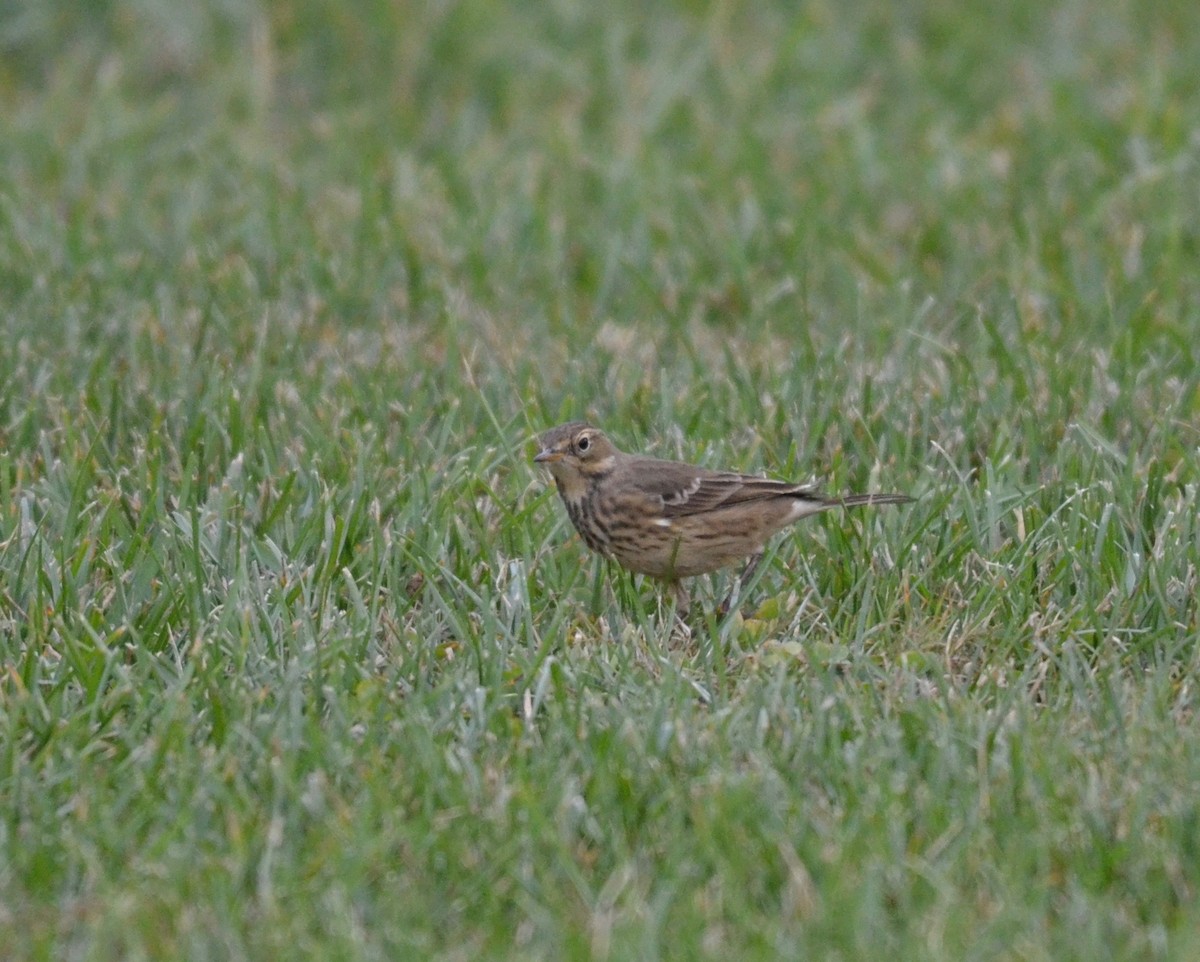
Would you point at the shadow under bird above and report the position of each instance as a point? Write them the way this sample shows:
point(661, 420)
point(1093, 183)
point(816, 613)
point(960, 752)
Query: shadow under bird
point(672, 520)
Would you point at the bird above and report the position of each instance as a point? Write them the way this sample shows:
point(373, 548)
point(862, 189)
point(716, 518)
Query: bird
point(671, 520)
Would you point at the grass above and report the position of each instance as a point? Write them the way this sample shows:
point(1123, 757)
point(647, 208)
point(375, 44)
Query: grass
point(297, 653)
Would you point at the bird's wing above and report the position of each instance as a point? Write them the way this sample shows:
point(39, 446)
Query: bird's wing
point(683, 489)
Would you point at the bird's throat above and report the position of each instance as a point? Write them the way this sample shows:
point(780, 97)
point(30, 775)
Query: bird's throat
point(575, 485)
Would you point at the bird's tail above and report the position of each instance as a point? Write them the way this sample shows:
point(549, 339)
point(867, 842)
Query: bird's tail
point(855, 500)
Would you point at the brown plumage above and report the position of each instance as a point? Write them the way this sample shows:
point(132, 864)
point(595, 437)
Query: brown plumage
point(672, 520)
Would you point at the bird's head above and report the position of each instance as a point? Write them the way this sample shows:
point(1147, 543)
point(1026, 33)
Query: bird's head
point(575, 453)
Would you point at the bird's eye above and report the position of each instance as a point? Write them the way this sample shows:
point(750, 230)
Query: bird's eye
point(583, 444)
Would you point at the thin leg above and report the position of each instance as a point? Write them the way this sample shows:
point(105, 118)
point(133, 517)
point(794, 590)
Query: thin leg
point(683, 602)
point(681, 631)
point(747, 573)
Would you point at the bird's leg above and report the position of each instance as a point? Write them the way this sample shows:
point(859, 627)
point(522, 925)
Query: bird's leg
point(681, 631)
point(743, 580)
point(683, 603)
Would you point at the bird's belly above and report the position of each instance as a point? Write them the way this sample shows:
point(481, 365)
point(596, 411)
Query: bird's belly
point(679, 550)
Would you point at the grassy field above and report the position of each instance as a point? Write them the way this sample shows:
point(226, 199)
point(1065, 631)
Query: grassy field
point(299, 657)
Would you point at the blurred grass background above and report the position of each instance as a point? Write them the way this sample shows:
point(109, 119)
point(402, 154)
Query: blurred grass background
point(297, 654)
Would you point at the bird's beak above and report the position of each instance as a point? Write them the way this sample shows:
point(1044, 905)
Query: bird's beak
point(548, 456)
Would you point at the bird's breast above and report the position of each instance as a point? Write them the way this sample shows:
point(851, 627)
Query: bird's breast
point(595, 533)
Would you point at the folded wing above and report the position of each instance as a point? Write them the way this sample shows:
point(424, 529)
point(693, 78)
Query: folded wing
point(685, 490)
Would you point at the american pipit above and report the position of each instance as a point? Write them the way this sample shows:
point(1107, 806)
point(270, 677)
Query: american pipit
point(671, 520)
